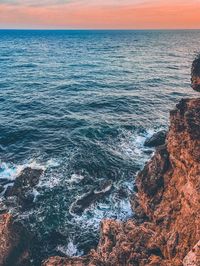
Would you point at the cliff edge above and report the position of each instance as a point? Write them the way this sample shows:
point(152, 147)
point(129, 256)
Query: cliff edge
point(166, 228)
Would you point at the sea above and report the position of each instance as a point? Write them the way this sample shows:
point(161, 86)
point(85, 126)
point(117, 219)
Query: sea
point(80, 104)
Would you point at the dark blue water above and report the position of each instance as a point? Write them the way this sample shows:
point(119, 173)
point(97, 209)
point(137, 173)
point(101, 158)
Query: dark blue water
point(80, 105)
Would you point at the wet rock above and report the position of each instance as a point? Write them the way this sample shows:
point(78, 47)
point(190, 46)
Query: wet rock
point(157, 139)
point(87, 199)
point(122, 193)
point(104, 187)
point(23, 184)
point(195, 74)
point(8, 191)
point(1, 189)
point(151, 178)
point(4, 181)
point(3, 207)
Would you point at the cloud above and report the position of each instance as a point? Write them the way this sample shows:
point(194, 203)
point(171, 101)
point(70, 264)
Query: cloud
point(35, 2)
point(99, 14)
point(39, 3)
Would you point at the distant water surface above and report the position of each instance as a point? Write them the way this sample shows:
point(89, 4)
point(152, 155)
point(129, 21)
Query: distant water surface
point(80, 104)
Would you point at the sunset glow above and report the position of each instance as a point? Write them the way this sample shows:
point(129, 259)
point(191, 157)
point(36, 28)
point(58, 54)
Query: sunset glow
point(110, 14)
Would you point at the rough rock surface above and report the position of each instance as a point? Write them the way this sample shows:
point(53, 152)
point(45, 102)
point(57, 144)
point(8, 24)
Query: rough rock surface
point(166, 206)
point(195, 74)
point(193, 257)
point(87, 199)
point(13, 243)
point(157, 139)
point(23, 185)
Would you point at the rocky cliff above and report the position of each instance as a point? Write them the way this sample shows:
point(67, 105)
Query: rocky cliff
point(166, 228)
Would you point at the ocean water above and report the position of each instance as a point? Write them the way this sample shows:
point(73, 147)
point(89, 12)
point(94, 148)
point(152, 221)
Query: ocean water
point(80, 104)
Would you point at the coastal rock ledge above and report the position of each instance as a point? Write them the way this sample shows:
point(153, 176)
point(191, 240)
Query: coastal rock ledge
point(166, 227)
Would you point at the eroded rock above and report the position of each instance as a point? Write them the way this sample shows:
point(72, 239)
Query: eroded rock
point(157, 139)
point(92, 196)
point(193, 257)
point(14, 243)
point(23, 185)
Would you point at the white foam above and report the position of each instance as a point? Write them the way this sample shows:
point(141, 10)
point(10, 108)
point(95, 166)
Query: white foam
point(10, 171)
point(51, 182)
point(106, 189)
point(131, 146)
point(92, 216)
point(75, 178)
point(35, 194)
point(70, 249)
point(52, 163)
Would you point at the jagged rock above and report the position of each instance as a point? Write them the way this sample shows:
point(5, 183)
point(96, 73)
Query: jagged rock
point(1, 189)
point(167, 199)
point(92, 196)
point(193, 257)
point(14, 243)
point(151, 178)
point(3, 207)
point(27, 180)
point(195, 74)
point(4, 181)
point(157, 139)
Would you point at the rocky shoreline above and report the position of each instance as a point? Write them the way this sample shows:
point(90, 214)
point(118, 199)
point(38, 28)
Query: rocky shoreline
point(166, 228)
point(166, 206)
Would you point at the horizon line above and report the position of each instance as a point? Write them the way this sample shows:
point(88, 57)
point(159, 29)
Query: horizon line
point(101, 29)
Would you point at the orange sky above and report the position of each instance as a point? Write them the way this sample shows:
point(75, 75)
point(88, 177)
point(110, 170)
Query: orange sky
point(112, 14)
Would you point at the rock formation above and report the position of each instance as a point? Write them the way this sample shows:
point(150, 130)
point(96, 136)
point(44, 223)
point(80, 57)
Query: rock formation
point(22, 187)
point(14, 243)
point(157, 139)
point(195, 74)
point(166, 227)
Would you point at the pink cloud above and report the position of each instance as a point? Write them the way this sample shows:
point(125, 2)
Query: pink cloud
point(84, 14)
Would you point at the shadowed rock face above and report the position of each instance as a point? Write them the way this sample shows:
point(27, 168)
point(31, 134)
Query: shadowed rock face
point(195, 74)
point(23, 185)
point(166, 206)
point(157, 139)
point(86, 200)
point(14, 239)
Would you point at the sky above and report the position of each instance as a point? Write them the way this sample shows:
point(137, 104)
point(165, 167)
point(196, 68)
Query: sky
point(100, 14)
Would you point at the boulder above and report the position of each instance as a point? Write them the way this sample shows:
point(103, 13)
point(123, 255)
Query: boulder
point(195, 74)
point(157, 139)
point(14, 243)
point(88, 198)
point(23, 185)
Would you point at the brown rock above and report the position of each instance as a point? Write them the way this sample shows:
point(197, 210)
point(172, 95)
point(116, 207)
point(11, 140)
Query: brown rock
point(13, 243)
point(193, 257)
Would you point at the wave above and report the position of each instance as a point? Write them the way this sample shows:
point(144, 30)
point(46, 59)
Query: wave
point(70, 249)
point(10, 171)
